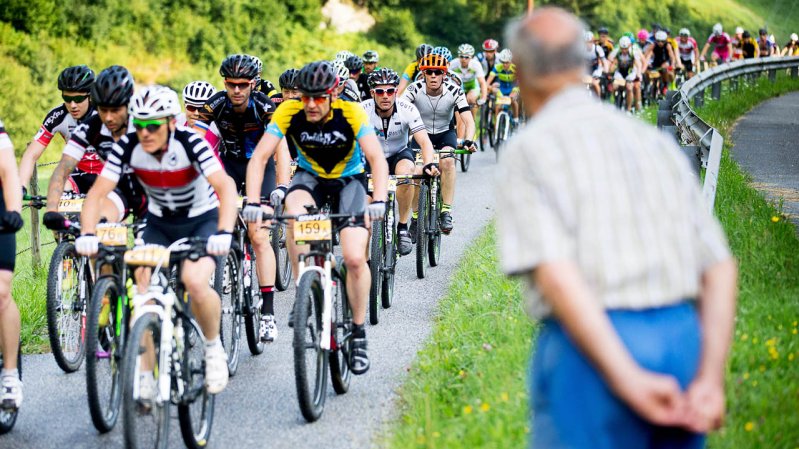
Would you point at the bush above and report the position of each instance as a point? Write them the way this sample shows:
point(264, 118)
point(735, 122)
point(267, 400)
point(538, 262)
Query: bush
point(396, 28)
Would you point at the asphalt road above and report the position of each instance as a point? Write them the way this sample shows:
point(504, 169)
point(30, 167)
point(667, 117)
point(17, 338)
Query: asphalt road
point(259, 407)
point(766, 147)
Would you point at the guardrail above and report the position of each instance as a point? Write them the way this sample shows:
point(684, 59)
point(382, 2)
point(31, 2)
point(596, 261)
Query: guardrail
point(700, 141)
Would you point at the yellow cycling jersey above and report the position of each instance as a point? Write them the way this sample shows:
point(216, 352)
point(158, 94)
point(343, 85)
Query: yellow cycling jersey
point(410, 71)
point(329, 149)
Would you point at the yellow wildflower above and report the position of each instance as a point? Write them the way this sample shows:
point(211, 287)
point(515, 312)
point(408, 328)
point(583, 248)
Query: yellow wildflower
point(485, 407)
point(790, 357)
point(746, 376)
point(744, 336)
point(505, 396)
point(749, 426)
point(775, 218)
point(467, 410)
point(436, 434)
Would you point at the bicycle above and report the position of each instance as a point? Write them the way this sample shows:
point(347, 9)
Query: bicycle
point(164, 325)
point(620, 93)
point(504, 124)
point(487, 122)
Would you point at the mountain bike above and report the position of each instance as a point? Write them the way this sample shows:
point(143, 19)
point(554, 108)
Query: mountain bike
point(620, 93)
point(504, 124)
point(486, 132)
point(166, 335)
point(282, 262)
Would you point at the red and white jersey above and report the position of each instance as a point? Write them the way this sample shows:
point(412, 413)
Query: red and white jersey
point(209, 132)
point(59, 121)
point(5, 141)
point(176, 184)
point(687, 49)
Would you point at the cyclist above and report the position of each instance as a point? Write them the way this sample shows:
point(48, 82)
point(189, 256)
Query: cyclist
point(472, 76)
point(354, 65)
point(749, 46)
point(604, 40)
point(288, 87)
point(627, 65)
point(737, 41)
point(332, 138)
point(443, 51)
point(791, 48)
point(395, 121)
point(722, 45)
point(370, 60)
point(689, 51)
point(643, 40)
point(662, 58)
point(504, 74)
point(241, 113)
point(343, 55)
point(488, 57)
point(263, 85)
point(346, 90)
point(195, 94)
point(766, 46)
point(110, 93)
point(437, 101)
point(412, 69)
point(10, 222)
point(74, 83)
point(597, 62)
point(189, 195)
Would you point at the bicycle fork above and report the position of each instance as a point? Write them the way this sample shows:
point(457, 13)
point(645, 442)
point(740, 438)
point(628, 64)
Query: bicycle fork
point(327, 302)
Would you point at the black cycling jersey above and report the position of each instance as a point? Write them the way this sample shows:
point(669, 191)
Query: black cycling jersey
point(240, 132)
point(277, 99)
point(267, 88)
point(349, 93)
point(660, 54)
point(363, 86)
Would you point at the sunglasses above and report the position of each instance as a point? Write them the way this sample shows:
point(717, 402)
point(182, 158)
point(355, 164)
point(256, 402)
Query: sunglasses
point(388, 92)
point(465, 57)
point(150, 125)
point(191, 108)
point(74, 98)
point(316, 99)
point(240, 86)
point(434, 72)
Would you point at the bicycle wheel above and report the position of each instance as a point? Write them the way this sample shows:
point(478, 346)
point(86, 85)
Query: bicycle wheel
point(340, 374)
point(466, 161)
point(483, 133)
point(391, 255)
point(227, 282)
point(66, 297)
point(282, 261)
point(252, 304)
point(9, 417)
point(103, 349)
point(196, 406)
point(310, 360)
point(146, 422)
point(434, 226)
point(375, 268)
point(421, 232)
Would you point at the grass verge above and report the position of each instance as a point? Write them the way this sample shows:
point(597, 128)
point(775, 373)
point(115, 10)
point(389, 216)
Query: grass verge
point(467, 386)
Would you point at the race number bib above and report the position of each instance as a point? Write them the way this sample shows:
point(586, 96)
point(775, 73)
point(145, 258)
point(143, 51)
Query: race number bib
point(312, 228)
point(147, 256)
point(392, 184)
point(112, 234)
point(70, 206)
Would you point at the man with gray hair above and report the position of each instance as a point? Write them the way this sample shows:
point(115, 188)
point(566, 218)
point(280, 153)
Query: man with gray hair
point(628, 272)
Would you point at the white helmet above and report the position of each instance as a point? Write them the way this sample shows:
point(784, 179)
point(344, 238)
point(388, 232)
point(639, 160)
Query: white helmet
point(343, 55)
point(661, 36)
point(794, 37)
point(196, 92)
point(342, 71)
point(717, 29)
point(152, 102)
point(685, 32)
point(258, 63)
point(625, 42)
point(505, 56)
point(739, 30)
point(465, 50)
point(589, 36)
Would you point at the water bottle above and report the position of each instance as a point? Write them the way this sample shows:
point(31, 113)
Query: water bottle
point(247, 269)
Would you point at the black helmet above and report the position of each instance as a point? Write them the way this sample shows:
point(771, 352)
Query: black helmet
point(383, 76)
point(78, 78)
point(239, 66)
point(113, 87)
point(288, 79)
point(603, 30)
point(763, 31)
point(317, 78)
point(354, 64)
point(423, 50)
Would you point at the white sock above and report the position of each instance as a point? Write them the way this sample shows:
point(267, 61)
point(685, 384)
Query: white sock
point(10, 373)
point(215, 342)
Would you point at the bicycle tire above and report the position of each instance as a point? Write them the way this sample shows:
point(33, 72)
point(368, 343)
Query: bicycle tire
point(195, 432)
point(340, 374)
point(309, 300)
point(104, 403)
point(434, 233)
point(55, 309)
point(227, 283)
point(375, 269)
point(421, 233)
point(465, 162)
point(482, 133)
point(132, 409)
point(282, 260)
point(9, 417)
point(390, 260)
point(252, 307)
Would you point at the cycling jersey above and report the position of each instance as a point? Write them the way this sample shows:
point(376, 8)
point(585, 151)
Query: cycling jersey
point(468, 74)
point(59, 121)
point(176, 185)
point(720, 43)
point(485, 63)
point(393, 131)
point(607, 47)
point(506, 78)
point(687, 49)
point(660, 55)
point(437, 111)
point(737, 47)
point(793, 48)
point(410, 71)
point(266, 87)
point(327, 150)
point(593, 54)
point(209, 132)
point(625, 62)
point(90, 142)
point(350, 92)
point(240, 132)
point(765, 47)
point(363, 86)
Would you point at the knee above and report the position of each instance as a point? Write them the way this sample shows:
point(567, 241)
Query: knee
point(195, 285)
point(355, 262)
point(5, 296)
point(448, 163)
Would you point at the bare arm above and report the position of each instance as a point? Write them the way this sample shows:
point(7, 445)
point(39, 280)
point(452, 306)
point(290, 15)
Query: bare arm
point(483, 87)
point(90, 214)
point(29, 158)
point(402, 85)
point(717, 313)
point(373, 152)
point(468, 121)
point(255, 168)
point(423, 139)
point(283, 163)
point(704, 50)
point(12, 189)
point(225, 188)
point(58, 179)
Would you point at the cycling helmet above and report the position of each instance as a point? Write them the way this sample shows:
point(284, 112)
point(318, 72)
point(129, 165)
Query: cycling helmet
point(370, 56)
point(661, 36)
point(746, 34)
point(343, 55)
point(739, 30)
point(113, 87)
point(505, 56)
point(466, 50)
point(643, 35)
point(763, 31)
point(354, 64)
point(685, 33)
point(794, 37)
point(588, 36)
point(630, 35)
point(77, 78)
point(423, 50)
point(382, 77)
point(196, 92)
point(433, 61)
point(288, 79)
point(258, 63)
point(443, 51)
point(717, 29)
point(603, 30)
point(625, 42)
point(239, 66)
point(317, 78)
point(490, 45)
point(342, 72)
point(154, 102)
point(772, 39)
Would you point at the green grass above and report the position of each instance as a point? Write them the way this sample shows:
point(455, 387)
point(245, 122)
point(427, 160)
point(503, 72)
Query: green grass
point(454, 375)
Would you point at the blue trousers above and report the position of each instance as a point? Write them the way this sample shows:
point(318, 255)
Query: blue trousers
point(573, 407)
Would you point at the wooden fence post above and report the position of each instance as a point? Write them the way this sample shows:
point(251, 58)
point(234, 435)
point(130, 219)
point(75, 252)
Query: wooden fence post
point(36, 244)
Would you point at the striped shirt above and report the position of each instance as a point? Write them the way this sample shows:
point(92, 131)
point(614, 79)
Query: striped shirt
point(177, 183)
point(582, 182)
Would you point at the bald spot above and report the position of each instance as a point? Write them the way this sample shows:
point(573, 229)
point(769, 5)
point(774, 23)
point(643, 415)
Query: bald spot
point(554, 28)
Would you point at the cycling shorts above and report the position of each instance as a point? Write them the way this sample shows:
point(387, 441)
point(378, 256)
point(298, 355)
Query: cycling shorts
point(506, 89)
point(8, 243)
point(166, 231)
point(237, 169)
point(392, 161)
point(689, 66)
point(346, 195)
point(441, 140)
point(81, 181)
point(722, 55)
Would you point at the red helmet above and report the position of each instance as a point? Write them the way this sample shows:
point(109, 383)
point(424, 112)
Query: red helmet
point(490, 45)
